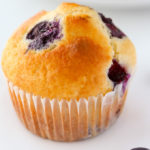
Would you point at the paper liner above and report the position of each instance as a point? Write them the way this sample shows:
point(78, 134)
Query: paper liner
point(63, 120)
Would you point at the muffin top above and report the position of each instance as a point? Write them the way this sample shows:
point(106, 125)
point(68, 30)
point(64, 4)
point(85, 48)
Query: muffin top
point(70, 53)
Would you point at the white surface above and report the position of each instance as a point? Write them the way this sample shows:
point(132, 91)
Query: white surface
point(133, 127)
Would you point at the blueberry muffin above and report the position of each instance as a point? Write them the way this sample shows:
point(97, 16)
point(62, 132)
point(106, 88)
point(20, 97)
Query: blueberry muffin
point(68, 72)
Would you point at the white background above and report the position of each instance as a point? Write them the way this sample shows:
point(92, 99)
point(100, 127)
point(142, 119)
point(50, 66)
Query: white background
point(133, 127)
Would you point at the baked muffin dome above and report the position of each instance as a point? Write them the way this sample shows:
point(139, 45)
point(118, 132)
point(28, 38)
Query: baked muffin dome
point(69, 53)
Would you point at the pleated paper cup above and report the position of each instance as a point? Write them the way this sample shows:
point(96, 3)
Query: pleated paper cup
point(64, 120)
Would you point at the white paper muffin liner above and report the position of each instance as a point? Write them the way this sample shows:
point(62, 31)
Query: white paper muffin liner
point(63, 120)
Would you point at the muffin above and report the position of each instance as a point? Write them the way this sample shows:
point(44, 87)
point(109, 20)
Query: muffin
point(68, 72)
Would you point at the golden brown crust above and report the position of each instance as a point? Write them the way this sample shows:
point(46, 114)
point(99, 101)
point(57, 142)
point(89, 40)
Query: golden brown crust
point(76, 70)
point(77, 67)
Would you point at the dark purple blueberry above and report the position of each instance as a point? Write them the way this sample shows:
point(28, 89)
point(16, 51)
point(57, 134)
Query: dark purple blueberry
point(37, 30)
point(115, 32)
point(43, 34)
point(39, 43)
point(140, 148)
point(117, 73)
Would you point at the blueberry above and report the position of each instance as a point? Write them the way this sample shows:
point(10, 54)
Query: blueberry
point(44, 33)
point(37, 30)
point(140, 148)
point(115, 32)
point(117, 73)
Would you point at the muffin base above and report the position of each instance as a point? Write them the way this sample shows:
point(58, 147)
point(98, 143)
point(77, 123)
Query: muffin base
point(63, 120)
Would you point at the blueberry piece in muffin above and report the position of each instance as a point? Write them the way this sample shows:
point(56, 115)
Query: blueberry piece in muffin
point(44, 33)
point(117, 73)
point(115, 32)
